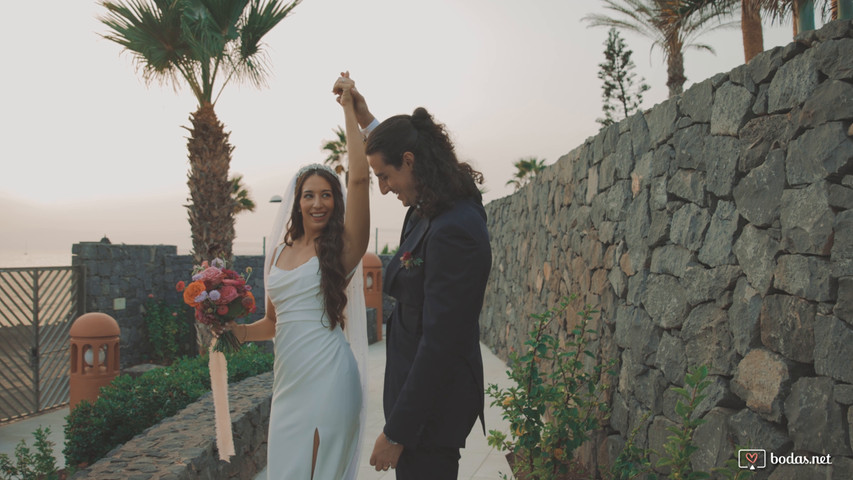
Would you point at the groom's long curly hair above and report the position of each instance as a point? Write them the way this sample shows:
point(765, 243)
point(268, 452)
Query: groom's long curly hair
point(329, 245)
point(440, 178)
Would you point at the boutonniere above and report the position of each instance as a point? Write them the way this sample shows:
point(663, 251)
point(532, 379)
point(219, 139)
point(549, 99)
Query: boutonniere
point(409, 262)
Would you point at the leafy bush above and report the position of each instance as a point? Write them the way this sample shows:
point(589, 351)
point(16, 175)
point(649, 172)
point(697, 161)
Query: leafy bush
point(28, 464)
point(550, 413)
point(168, 330)
point(128, 405)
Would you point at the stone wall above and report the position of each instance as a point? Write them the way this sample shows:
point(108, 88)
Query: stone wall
point(714, 229)
point(183, 447)
point(120, 278)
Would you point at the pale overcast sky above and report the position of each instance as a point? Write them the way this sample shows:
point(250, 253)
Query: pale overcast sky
point(89, 149)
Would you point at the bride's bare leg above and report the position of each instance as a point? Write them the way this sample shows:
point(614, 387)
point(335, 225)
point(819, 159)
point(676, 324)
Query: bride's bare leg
point(316, 446)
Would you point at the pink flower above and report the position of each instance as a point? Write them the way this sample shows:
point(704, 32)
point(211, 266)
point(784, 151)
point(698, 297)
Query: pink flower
point(211, 276)
point(150, 295)
point(227, 294)
point(180, 286)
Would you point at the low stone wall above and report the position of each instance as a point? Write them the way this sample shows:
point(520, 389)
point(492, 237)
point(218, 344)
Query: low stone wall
point(183, 447)
point(120, 278)
point(714, 229)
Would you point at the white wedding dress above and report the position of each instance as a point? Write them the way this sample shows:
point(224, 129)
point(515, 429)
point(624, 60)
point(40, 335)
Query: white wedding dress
point(316, 383)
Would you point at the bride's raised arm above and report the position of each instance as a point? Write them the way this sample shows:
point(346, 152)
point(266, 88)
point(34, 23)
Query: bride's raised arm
point(357, 215)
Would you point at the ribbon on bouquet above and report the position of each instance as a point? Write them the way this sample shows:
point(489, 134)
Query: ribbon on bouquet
point(221, 411)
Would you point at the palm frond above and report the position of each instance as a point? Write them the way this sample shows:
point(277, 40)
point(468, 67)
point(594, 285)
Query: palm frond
point(151, 32)
point(250, 61)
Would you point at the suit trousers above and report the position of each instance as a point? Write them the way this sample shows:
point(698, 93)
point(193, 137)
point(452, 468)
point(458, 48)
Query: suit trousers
point(428, 463)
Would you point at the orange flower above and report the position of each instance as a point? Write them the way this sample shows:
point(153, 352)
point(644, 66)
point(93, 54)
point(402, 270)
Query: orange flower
point(249, 302)
point(193, 290)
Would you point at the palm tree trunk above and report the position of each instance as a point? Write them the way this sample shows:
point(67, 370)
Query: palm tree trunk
point(675, 72)
point(211, 208)
point(753, 33)
point(795, 16)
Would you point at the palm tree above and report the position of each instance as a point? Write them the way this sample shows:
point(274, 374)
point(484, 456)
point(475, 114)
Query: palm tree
point(240, 196)
point(337, 149)
point(206, 44)
point(750, 20)
point(670, 27)
point(525, 170)
point(801, 11)
point(777, 10)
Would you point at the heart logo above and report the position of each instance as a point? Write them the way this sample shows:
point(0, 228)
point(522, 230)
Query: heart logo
point(751, 457)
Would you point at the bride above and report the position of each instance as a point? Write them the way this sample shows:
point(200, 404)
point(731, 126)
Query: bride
point(318, 394)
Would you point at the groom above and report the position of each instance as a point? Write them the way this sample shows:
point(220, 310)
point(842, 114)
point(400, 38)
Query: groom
point(433, 392)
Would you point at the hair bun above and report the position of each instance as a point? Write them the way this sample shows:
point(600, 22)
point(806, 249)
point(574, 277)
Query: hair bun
point(421, 116)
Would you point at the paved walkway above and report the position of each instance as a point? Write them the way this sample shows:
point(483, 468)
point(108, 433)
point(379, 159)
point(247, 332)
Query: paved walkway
point(479, 461)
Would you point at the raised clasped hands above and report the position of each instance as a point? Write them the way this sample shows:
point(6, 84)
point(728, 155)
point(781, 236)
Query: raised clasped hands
point(343, 89)
point(346, 94)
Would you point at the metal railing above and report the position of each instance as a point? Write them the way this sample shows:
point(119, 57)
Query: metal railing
point(37, 306)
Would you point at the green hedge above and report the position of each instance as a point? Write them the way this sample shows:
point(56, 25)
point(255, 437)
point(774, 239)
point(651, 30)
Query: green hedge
point(127, 406)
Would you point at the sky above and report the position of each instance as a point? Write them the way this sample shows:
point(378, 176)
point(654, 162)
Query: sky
point(91, 150)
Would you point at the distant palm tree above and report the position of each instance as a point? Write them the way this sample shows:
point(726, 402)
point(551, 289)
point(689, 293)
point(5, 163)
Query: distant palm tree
point(204, 44)
point(802, 12)
point(525, 170)
point(337, 149)
point(752, 31)
point(669, 25)
point(776, 10)
point(240, 196)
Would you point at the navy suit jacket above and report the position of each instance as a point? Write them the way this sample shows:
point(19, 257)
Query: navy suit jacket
point(433, 391)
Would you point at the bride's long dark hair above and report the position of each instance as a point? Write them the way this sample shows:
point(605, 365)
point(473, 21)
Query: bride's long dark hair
point(329, 246)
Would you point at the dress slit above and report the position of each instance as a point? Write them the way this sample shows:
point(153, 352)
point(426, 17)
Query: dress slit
point(315, 451)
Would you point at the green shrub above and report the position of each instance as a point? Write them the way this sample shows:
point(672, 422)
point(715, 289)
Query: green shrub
point(28, 464)
point(128, 405)
point(168, 330)
point(550, 413)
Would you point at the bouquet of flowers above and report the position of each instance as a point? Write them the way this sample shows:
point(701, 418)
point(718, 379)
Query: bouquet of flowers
point(219, 295)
